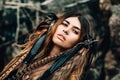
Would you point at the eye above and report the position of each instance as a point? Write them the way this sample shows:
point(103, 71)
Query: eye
point(64, 24)
point(75, 31)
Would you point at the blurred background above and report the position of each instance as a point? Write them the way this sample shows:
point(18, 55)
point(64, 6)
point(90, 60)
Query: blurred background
point(19, 18)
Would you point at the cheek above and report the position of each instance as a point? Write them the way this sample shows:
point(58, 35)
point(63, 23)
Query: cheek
point(59, 29)
point(72, 41)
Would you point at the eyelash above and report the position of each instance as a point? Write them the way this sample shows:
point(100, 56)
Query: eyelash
point(75, 31)
point(65, 24)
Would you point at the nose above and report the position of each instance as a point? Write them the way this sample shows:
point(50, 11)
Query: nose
point(66, 31)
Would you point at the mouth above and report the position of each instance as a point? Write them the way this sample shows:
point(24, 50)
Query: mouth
point(61, 37)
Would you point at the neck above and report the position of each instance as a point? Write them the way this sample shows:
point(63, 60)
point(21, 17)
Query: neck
point(55, 50)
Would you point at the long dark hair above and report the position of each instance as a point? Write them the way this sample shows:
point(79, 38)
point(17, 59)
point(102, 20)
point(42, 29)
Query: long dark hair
point(48, 41)
point(41, 29)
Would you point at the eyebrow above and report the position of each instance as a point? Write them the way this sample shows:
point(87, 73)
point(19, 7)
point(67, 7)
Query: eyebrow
point(73, 26)
point(67, 21)
point(77, 28)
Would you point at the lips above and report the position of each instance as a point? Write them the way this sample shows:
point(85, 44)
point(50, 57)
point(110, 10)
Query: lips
point(61, 37)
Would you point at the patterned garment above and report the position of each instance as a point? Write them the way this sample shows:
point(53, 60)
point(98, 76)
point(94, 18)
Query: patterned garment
point(64, 71)
point(60, 74)
point(36, 69)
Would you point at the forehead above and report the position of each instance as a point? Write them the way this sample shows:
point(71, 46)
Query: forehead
point(74, 21)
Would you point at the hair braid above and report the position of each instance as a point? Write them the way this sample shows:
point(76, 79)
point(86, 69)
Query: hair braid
point(24, 68)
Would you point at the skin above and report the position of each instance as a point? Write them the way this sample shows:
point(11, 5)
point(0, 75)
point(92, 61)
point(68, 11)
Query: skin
point(67, 35)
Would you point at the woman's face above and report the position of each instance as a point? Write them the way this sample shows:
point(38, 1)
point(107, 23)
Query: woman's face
point(67, 33)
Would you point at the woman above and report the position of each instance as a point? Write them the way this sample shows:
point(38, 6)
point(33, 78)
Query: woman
point(59, 49)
